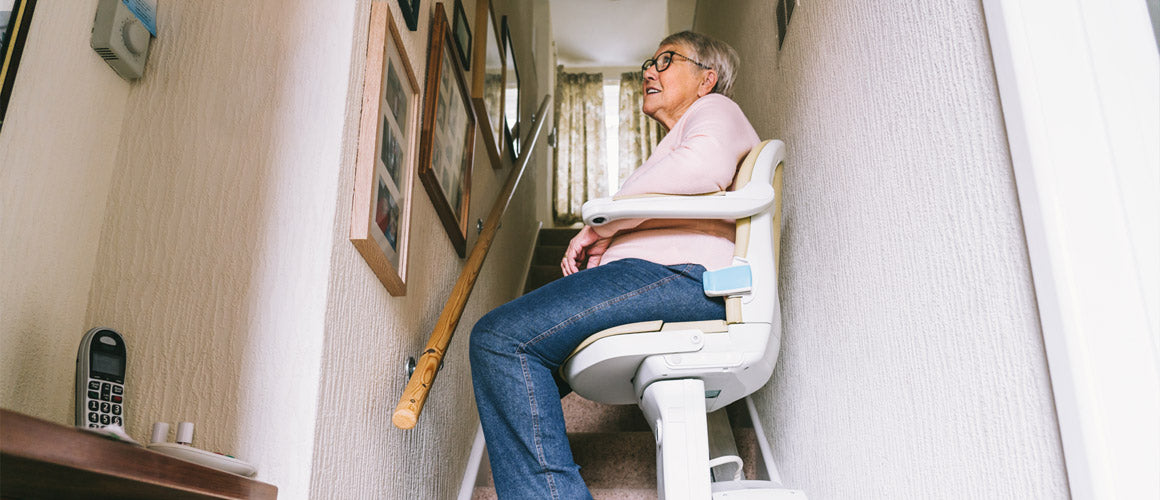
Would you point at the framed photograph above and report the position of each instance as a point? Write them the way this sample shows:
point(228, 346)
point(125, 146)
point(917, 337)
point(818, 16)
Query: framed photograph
point(511, 94)
point(410, 10)
point(448, 134)
point(487, 84)
point(462, 33)
point(387, 154)
point(15, 19)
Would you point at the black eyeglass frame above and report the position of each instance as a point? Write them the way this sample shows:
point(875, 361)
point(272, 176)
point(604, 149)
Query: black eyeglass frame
point(653, 61)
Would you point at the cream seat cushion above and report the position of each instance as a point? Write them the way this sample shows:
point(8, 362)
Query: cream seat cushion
point(707, 326)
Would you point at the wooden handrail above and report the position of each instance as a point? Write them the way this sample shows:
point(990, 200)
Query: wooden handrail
point(415, 394)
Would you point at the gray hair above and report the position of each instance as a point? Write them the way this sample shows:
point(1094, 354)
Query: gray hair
point(710, 52)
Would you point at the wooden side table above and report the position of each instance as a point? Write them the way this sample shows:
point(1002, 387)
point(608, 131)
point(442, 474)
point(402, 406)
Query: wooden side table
point(40, 459)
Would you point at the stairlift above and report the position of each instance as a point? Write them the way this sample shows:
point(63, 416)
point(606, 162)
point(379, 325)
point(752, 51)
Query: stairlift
point(679, 372)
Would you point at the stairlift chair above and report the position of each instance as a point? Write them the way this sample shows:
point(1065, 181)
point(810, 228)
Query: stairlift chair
point(677, 372)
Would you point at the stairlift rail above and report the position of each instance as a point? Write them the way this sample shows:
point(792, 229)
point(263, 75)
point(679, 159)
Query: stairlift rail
point(419, 386)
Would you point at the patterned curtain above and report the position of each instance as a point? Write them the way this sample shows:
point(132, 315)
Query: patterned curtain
point(639, 134)
point(580, 169)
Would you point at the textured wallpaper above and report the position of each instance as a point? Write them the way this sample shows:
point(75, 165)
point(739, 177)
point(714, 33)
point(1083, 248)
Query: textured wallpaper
point(369, 334)
point(214, 258)
point(912, 364)
point(57, 152)
point(207, 208)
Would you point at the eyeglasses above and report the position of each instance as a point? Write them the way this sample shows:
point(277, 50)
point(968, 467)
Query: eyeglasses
point(665, 58)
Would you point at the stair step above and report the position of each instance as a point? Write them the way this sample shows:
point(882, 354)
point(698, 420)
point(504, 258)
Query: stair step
point(548, 255)
point(616, 452)
point(539, 276)
point(557, 236)
point(582, 415)
point(609, 460)
point(616, 459)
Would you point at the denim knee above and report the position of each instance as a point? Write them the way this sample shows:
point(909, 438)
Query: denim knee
point(488, 335)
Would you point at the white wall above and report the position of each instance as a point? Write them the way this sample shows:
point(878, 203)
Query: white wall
point(545, 57)
point(370, 334)
point(57, 151)
point(912, 364)
point(213, 229)
point(214, 260)
point(1080, 88)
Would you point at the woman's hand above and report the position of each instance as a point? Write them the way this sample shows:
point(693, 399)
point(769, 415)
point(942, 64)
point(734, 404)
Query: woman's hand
point(585, 245)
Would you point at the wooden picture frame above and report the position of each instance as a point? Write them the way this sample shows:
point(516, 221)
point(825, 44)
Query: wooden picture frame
point(448, 134)
point(461, 32)
point(13, 33)
point(410, 11)
point(388, 150)
point(511, 94)
point(487, 81)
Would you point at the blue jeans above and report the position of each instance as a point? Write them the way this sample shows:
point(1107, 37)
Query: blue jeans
point(517, 348)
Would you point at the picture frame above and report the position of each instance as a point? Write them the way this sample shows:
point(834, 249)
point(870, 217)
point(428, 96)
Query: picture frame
point(387, 153)
point(410, 11)
point(461, 31)
point(487, 83)
point(15, 20)
point(511, 105)
point(448, 134)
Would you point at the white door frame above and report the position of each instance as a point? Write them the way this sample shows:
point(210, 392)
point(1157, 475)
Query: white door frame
point(1079, 82)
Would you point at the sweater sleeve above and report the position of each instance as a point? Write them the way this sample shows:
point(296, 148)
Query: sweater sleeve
point(713, 139)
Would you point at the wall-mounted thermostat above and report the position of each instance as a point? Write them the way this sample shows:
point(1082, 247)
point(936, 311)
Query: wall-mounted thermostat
point(122, 31)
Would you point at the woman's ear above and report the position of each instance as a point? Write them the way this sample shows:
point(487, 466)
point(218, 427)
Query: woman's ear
point(708, 81)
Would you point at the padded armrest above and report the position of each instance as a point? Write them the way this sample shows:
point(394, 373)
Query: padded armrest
point(751, 199)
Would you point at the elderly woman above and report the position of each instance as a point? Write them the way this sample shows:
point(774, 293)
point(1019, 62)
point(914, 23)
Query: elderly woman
point(636, 270)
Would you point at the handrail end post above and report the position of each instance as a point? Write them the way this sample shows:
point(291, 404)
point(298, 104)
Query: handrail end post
point(404, 419)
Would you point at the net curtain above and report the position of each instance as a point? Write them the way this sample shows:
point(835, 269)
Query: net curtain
point(580, 164)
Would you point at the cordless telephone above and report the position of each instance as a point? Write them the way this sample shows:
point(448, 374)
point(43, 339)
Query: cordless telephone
point(100, 388)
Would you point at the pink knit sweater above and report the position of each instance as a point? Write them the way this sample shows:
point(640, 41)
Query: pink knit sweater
point(699, 155)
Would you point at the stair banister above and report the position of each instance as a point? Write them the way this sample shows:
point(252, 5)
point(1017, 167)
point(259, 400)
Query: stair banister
point(419, 386)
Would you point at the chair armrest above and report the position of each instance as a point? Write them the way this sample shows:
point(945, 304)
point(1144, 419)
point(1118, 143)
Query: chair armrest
point(744, 202)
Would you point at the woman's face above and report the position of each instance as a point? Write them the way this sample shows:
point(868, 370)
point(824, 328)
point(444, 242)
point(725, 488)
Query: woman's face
point(669, 93)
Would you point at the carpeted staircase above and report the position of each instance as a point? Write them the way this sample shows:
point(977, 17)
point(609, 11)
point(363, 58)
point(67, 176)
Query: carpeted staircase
point(612, 444)
point(550, 248)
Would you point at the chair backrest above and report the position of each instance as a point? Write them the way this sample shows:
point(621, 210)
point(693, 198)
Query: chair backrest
point(758, 238)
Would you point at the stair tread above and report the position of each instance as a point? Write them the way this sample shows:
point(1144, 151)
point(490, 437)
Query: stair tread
point(608, 459)
point(557, 235)
point(582, 415)
point(540, 275)
point(616, 459)
point(548, 254)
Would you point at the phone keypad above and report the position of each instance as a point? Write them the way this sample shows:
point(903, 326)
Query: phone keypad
point(104, 405)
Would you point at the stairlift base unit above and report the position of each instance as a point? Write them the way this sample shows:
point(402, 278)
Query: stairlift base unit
point(675, 410)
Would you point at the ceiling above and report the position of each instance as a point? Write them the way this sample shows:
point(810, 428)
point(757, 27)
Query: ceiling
point(614, 33)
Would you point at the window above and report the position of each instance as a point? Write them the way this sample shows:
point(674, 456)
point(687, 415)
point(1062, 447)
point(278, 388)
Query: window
point(612, 134)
